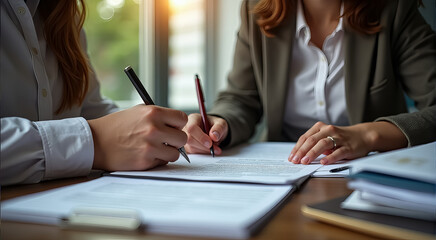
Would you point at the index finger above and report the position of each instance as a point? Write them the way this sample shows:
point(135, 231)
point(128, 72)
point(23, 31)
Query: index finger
point(314, 129)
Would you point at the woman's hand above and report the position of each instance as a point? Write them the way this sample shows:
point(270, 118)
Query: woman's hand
point(349, 142)
point(200, 142)
point(138, 138)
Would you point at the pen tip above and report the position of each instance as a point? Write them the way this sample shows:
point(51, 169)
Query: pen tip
point(183, 152)
point(186, 157)
point(212, 152)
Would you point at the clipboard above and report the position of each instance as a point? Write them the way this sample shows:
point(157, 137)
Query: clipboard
point(380, 225)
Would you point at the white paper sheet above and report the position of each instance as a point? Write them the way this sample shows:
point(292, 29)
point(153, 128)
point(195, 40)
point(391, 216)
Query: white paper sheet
point(265, 163)
point(354, 202)
point(417, 200)
point(418, 163)
point(183, 208)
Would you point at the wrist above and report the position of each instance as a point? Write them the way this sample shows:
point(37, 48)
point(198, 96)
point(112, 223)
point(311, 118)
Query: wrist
point(372, 137)
point(384, 136)
point(97, 150)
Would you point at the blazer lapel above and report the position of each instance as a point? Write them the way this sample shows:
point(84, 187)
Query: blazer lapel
point(277, 61)
point(359, 52)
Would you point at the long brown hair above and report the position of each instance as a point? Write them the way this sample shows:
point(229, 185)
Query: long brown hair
point(361, 15)
point(63, 21)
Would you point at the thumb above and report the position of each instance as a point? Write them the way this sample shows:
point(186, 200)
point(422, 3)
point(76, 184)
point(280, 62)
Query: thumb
point(218, 131)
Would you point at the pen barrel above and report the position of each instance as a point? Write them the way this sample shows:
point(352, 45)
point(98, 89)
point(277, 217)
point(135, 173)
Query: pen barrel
point(138, 85)
point(206, 124)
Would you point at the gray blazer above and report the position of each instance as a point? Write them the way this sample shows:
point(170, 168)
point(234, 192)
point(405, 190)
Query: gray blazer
point(379, 69)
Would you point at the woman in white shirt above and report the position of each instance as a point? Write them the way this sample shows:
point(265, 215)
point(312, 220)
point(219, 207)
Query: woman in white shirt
point(54, 122)
point(327, 74)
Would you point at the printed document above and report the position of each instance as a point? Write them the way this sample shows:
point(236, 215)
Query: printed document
point(265, 163)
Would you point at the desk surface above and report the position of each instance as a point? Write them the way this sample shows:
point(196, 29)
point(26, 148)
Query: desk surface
point(288, 223)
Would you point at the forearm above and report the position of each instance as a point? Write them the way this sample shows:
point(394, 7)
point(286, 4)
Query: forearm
point(36, 151)
point(383, 136)
point(418, 127)
point(22, 154)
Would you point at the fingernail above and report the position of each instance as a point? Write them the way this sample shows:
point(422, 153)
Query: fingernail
point(216, 134)
point(290, 157)
point(206, 144)
point(323, 161)
point(295, 159)
point(305, 160)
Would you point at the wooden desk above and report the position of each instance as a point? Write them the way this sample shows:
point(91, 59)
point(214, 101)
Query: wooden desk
point(288, 223)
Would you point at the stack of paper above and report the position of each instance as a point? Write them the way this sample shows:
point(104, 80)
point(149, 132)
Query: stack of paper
point(181, 208)
point(401, 183)
point(229, 196)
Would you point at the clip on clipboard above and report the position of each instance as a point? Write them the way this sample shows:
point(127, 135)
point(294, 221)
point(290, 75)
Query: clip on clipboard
point(103, 218)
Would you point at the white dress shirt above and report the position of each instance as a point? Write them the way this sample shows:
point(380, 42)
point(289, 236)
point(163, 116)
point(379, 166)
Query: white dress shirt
point(316, 89)
point(36, 143)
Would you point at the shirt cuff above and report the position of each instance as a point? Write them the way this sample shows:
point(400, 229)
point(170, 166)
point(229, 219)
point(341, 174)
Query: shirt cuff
point(68, 147)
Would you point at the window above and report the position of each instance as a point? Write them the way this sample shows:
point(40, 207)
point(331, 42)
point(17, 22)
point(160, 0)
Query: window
point(116, 32)
point(113, 43)
point(167, 42)
point(186, 53)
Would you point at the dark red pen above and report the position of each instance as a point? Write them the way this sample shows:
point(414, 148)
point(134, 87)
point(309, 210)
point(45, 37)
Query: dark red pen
point(206, 124)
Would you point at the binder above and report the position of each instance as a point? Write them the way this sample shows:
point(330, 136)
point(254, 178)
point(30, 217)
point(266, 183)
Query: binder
point(380, 225)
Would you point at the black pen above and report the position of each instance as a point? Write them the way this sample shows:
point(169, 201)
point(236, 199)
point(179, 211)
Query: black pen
point(339, 169)
point(146, 98)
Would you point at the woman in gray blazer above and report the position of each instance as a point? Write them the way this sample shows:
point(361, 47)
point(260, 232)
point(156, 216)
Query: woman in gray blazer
point(330, 75)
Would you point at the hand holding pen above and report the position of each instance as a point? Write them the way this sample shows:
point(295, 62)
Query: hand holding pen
point(201, 140)
point(146, 98)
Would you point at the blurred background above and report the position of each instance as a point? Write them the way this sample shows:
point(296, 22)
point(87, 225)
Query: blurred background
point(167, 42)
